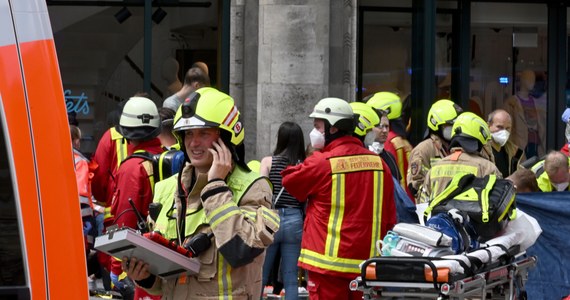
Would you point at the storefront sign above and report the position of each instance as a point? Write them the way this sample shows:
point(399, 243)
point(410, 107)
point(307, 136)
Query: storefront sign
point(76, 104)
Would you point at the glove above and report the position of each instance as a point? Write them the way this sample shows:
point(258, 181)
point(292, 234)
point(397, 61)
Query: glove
point(116, 281)
point(566, 116)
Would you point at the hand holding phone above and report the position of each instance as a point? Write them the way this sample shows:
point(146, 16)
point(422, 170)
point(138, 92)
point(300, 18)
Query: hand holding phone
point(222, 160)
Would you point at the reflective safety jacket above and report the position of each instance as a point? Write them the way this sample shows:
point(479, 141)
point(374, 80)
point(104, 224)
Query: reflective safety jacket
point(350, 205)
point(238, 213)
point(542, 178)
point(422, 157)
point(545, 185)
point(458, 162)
point(164, 193)
point(401, 149)
point(84, 174)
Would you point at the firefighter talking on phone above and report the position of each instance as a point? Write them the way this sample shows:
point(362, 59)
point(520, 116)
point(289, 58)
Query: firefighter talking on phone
point(226, 206)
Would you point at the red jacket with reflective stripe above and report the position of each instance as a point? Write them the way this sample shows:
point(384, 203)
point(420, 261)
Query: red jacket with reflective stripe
point(106, 158)
point(401, 149)
point(132, 181)
point(350, 210)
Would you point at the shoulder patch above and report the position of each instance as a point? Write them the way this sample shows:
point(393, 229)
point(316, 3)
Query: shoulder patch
point(415, 168)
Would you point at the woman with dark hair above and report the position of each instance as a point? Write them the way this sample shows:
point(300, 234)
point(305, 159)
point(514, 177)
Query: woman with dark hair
point(290, 150)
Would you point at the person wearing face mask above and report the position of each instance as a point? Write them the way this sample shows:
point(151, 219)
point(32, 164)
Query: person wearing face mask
point(435, 146)
point(350, 202)
point(556, 174)
point(372, 129)
point(508, 155)
point(364, 130)
point(468, 136)
point(396, 142)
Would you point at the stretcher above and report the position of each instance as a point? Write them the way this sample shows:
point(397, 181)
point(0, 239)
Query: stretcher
point(420, 278)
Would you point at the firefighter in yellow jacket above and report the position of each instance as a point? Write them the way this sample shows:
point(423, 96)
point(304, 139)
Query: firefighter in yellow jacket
point(440, 120)
point(469, 134)
point(223, 201)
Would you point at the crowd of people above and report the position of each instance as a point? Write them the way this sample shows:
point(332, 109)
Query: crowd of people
point(302, 216)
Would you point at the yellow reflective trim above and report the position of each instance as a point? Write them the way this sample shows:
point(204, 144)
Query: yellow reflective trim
point(224, 279)
point(160, 162)
point(108, 213)
point(120, 145)
point(468, 195)
point(344, 265)
point(434, 160)
point(355, 163)
point(224, 215)
point(450, 170)
point(485, 198)
point(219, 209)
point(249, 214)
point(400, 153)
point(115, 135)
point(336, 215)
point(271, 216)
point(513, 215)
point(151, 179)
point(451, 187)
point(377, 209)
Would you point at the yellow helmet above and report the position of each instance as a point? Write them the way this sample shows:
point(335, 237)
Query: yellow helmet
point(367, 118)
point(388, 102)
point(472, 126)
point(209, 108)
point(443, 111)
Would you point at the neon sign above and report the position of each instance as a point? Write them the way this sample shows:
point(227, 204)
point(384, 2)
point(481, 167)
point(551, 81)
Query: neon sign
point(76, 104)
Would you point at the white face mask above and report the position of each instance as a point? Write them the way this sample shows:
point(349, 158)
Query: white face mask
point(376, 147)
point(561, 186)
point(317, 139)
point(447, 133)
point(369, 138)
point(501, 137)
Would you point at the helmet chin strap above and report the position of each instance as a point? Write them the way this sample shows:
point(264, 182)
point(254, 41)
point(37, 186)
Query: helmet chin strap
point(329, 137)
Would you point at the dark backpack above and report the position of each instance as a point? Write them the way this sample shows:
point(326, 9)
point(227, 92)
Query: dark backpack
point(163, 165)
point(489, 202)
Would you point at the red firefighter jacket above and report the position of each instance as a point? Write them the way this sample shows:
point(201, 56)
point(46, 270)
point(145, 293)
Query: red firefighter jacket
point(111, 151)
point(350, 205)
point(132, 182)
point(401, 149)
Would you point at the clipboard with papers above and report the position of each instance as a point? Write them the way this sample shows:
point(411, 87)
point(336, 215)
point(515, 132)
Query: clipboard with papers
point(163, 262)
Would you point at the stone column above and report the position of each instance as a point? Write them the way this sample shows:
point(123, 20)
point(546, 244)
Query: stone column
point(286, 56)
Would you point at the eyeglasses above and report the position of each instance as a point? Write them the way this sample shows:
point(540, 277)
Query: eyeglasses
point(383, 126)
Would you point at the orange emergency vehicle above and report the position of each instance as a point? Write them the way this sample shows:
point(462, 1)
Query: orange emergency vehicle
point(42, 253)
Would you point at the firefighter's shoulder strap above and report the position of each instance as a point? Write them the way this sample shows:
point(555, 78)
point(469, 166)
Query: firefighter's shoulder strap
point(149, 164)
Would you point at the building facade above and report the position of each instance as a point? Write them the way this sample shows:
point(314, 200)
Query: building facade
point(278, 58)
